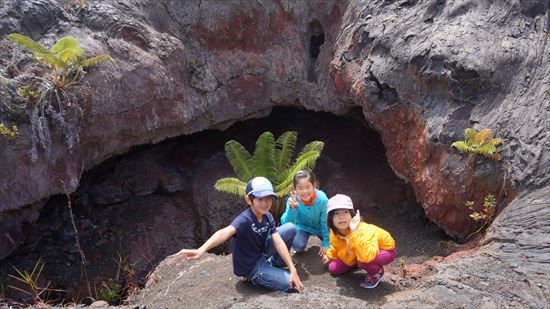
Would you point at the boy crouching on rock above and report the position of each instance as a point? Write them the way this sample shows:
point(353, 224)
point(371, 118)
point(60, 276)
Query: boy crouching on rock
point(258, 247)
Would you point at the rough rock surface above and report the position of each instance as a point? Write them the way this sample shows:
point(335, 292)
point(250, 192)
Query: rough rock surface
point(422, 71)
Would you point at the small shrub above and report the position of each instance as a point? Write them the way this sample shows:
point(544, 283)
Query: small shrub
point(111, 292)
point(6, 132)
point(402, 267)
point(486, 215)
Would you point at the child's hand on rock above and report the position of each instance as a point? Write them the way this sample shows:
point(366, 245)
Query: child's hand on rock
point(191, 254)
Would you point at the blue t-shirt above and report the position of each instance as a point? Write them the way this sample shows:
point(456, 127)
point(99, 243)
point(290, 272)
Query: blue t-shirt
point(248, 243)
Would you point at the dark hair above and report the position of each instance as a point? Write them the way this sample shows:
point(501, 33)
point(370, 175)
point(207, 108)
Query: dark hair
point(304, 174)
point(330, 219)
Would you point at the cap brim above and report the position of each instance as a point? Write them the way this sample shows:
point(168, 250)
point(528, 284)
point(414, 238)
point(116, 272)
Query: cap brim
point(348, 207)
point(262, 193)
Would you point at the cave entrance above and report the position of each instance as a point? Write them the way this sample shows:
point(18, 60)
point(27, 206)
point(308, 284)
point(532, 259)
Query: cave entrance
point(145, 205)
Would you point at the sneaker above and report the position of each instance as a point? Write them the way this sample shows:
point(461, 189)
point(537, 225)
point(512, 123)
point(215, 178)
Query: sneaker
point(372, 281)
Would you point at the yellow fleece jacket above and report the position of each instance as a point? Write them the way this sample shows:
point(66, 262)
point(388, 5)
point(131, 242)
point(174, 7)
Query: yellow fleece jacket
point(362, 246)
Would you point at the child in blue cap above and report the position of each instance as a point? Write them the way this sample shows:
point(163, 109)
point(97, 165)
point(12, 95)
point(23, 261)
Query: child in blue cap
point(258, 247)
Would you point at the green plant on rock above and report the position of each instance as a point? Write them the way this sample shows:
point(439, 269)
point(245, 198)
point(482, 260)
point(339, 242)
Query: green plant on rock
point(126, 273)
point(481, 144)
point(111, 292)
point(478, 144)
point(31, 96)
point(57, 91)
point(271, 159)
point(7, 132)
point(486, 215)
point(402, 267)
point(31, 284)
point(66, 62)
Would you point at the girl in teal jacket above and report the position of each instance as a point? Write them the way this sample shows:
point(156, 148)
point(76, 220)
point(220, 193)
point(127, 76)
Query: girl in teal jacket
point(307, 209)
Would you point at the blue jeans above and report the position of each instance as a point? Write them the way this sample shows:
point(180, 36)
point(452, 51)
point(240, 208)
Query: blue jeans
point(265, 273)
point(300, 240)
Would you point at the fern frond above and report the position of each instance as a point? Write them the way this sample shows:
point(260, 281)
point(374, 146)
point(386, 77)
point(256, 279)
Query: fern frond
point(306, 160)
point(470, 133)
point(231, 185)
point(93, 61)
point(495, 141)
point(263, 161)
point(284, 149)
point(462, 146)
point(482, 136)
point(486, 150)
point(315, 146)
point(239, 158)
point(51, 60)
point(28, 43)
point(67, 47)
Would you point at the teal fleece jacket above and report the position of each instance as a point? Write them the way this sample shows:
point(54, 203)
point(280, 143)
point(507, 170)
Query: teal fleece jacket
point(312, 219)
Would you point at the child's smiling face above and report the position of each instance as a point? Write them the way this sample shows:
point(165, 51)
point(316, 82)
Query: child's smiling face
point(341, 220)
point(305, 189)
point(260, 205)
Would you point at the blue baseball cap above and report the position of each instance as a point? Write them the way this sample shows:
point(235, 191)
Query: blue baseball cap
point(260, 187)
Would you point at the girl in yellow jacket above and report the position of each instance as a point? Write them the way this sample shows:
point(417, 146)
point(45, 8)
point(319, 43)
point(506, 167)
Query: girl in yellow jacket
point(355, 243)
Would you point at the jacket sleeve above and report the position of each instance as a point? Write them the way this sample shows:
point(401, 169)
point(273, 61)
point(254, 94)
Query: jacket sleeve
point(290, 213)
point(325, 233)
point(364, 243)
point(332, 252)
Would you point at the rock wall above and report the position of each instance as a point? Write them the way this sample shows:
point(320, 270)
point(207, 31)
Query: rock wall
point(422, 71)
point(179, 68)
point(426, 70)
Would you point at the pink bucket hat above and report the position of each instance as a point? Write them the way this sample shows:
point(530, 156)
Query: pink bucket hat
point(339, 201)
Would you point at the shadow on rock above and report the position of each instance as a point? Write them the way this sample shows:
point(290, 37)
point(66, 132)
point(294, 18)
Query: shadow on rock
point(349, 286)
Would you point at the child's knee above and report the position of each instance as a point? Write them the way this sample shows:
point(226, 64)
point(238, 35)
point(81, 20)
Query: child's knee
point(334, 269)
point(288, 227)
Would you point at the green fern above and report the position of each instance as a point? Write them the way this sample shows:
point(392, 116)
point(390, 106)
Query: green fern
point(263, 161)
point(478, 143)
point(461, 146)
point(28, 43)
point(313, 146)
point(470, 133)
point(231, 185)
point(272, 159)
point(93, 61)
point(285, 149)
point(239, 158)
point(306, 160)
point(66, 59)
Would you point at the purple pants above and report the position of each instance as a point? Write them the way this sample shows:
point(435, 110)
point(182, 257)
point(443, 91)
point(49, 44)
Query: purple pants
point(337, 267)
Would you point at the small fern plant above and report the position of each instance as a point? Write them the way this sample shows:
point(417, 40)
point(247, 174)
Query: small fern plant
point(66, 60)
point(271, 159)
point(56, 92)
point(478, 144)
